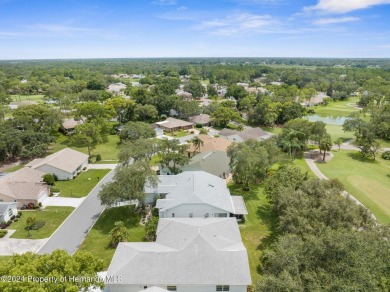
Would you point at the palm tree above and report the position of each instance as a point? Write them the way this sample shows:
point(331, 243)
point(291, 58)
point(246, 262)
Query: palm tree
point(197, 142)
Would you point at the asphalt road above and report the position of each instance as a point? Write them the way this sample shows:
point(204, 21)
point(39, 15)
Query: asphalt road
point(73, 230)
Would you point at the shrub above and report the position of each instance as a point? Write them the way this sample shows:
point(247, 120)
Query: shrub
point(84, 168)
point(20, 214)
point(38, 225)
point(155, 212)
point(98, 157)
point(49, 179)
point(199, 126)
point(3, 233)
point(16, 219)
point(13, 217)
point(386, 155)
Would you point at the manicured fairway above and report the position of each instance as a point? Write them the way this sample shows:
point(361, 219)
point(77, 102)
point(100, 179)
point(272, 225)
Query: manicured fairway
point(367, 180)
point(336, 132)
point(338, 108)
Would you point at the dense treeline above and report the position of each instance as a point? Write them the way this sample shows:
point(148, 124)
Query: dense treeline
point(325, 242)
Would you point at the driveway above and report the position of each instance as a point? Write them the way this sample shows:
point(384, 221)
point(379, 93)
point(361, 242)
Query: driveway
point(9, 246)
point(102, 166)
point(62, 202)
point(73, 230)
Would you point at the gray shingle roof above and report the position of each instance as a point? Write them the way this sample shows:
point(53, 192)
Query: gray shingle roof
point(248, 133)
point(194, 187)
point(25, 183)
point(173, 123)
point(213, 162)
point(188, 251)
point(66, 159)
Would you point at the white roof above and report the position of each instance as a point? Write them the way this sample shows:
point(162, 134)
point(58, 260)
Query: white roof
point(188, 251)
point(195, 187)
point(66, 159)
point(239, 205)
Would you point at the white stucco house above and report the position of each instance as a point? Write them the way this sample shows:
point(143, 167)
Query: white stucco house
point(65, 164)
point(7, 211)
point(195, 194)
point(189, 255)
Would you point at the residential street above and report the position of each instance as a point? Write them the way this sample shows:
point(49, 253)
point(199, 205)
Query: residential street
point(73, 230)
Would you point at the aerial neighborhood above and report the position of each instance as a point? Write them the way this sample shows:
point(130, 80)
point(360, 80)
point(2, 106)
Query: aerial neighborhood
point(220, 174)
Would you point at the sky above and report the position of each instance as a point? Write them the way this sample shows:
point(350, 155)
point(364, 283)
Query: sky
point(42, 29)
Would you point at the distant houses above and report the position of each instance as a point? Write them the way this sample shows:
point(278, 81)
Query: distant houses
point(117, 88)
point(24, 187)
point(69, 125)
point(203, 119)
point(65, 164)
point(173, 125)
point(189, 255)
point(248, 133)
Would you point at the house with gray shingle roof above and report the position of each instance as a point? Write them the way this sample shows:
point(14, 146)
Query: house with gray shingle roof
point(214, 162)
point(189, 255)
point(193, 194)
point(172, 125)
point(248, 133)
point(65, 164)
point(23, 186)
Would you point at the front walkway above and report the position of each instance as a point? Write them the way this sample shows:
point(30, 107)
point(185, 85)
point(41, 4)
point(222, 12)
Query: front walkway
point(102, 166)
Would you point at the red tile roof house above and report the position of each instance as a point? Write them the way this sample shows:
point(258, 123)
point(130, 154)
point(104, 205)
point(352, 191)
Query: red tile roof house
point(173, 125)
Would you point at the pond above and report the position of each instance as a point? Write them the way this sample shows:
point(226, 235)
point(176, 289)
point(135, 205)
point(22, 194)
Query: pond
point(332, 120)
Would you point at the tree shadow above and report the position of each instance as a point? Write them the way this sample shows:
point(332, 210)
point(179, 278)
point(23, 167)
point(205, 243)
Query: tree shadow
point(237, 190)
point(269, 218)
point(107, 219)
point(359, 157)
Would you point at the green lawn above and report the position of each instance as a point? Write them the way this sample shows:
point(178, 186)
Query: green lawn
point(14, 168)
point(367, 180)
point(98, 238)
point(336, 132)
point(52, 216)
point(108, 151)
point(5, 259)
point(155, 160)
point(301, 163)
point(178, 134)
point(256, 232)
point(337, 108)
point(82, 185)
point(38, 97)
point(273, 130)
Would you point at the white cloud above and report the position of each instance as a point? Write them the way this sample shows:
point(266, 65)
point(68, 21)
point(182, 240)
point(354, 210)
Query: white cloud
point(326, 21)
point(181, 8)
point(165, 2)
point(344, 6)
point(237, 25)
